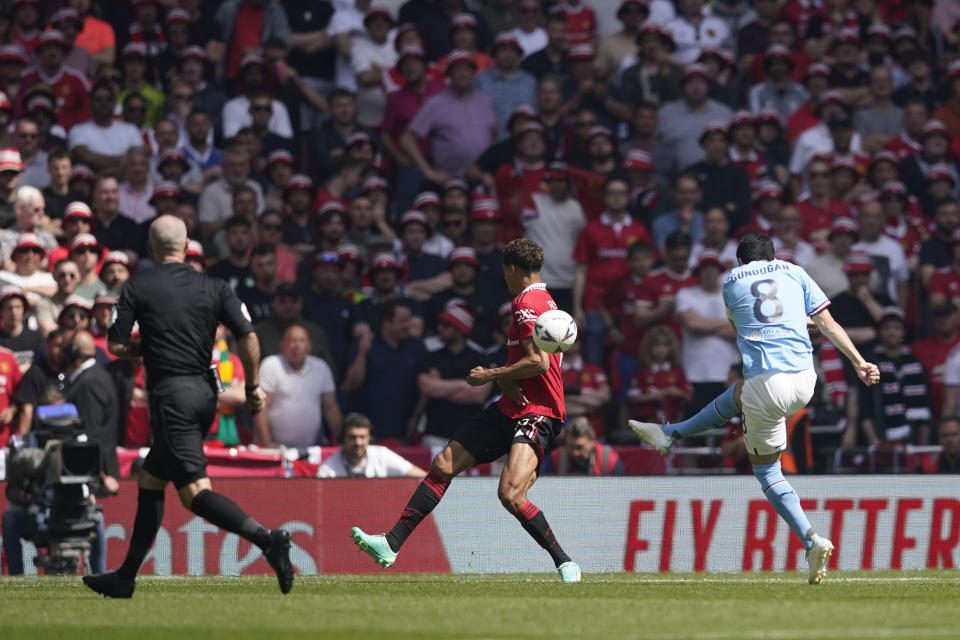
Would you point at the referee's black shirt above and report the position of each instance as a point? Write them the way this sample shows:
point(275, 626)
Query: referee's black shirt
point(178, 311)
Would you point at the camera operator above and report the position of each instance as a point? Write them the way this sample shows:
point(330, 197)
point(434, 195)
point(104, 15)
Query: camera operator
point(41, 377)
point(91, 388)
point(18, 522)
point(29, 499)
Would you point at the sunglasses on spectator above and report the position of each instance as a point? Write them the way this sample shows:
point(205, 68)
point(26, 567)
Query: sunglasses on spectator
point(36, 250)
point(71, 275)
point(87, 250)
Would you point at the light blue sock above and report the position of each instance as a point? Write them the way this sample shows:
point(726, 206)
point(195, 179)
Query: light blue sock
point(715, 414)
point(784, 499)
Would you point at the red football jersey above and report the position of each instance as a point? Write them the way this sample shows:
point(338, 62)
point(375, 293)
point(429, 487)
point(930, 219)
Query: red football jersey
point(71, 90)
point(817, 221)
point(903, 146)
point(514, 186)
point(584, 375)
point(10, 377)
point(904, 233)
point(544, 393)
point(751, 162)
point(602, 247)
point(622, 301)
point(662, 376)
point(661, 285)
point(945, 282)
point(933, 354)
point(581, 23)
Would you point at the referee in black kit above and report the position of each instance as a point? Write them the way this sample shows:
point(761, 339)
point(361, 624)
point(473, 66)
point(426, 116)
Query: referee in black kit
point(178, 311)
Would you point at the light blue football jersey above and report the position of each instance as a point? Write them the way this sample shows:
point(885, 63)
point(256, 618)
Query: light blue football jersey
point(769, 303)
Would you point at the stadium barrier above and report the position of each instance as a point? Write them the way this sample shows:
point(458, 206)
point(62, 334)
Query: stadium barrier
point(652, 524)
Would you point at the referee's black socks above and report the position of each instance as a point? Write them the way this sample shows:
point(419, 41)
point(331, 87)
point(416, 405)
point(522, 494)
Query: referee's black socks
point(226, 514)
point(145, 527)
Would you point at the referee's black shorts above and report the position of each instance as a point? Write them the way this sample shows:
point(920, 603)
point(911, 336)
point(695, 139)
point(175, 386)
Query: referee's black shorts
point(489, 434)
point(182, 409)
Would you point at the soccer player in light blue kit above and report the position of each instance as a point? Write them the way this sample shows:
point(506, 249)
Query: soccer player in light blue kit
point(771, 304)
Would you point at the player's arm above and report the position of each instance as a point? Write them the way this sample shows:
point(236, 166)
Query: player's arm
point(867, 371)
point(533, 363)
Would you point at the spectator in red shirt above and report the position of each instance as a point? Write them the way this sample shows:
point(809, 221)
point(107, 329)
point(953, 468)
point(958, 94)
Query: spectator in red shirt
point(819, 208)
point(581, 21)
point(585, 388)
point(70, 87)
point(10, 377)
point(26, 18)
point(658, 390)
point(601, 256)
point(656, 304)
point(619, 309)
point(944, 285)
point(935, 349)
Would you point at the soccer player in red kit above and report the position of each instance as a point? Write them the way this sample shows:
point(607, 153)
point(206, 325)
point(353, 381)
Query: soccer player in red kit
point(521, 424)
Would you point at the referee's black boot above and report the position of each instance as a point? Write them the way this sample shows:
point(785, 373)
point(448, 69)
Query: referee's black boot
point(110, 585)
point(278, 555)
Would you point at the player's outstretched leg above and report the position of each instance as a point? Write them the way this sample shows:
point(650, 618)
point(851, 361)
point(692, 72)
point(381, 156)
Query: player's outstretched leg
point(518, 476)
point(226, 514)
point(786, 503)
point(384, 547)
point(120, 583)
point(716, 414)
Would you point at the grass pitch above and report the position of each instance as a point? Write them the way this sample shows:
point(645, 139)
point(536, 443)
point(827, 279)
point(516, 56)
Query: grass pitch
point(848, 605)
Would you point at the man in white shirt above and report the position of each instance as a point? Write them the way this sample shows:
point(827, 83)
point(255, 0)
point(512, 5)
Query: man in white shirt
point(708, 337)
point(529, 34)
point(693, 31)
point(358, 458)
point(236, 112)
point(216, 201)
point(835, 123)
point(555, 224)
point(371, 55)
point(26, 272)
point(300, 393)
point(886, 253)
point(28, 206)
point(136, 190)
point(101, 142)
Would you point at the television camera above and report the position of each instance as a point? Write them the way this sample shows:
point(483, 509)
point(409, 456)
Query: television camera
point(54, 478)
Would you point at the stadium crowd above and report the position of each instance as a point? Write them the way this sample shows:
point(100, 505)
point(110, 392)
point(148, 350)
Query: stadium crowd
point(353, 170)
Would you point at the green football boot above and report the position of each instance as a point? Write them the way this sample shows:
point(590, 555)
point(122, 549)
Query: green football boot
point(376, 547)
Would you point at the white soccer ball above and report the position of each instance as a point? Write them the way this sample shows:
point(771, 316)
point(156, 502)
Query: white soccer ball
point(554, 331)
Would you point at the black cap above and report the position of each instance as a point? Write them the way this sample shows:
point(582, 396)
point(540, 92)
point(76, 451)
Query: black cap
point(287, 289)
